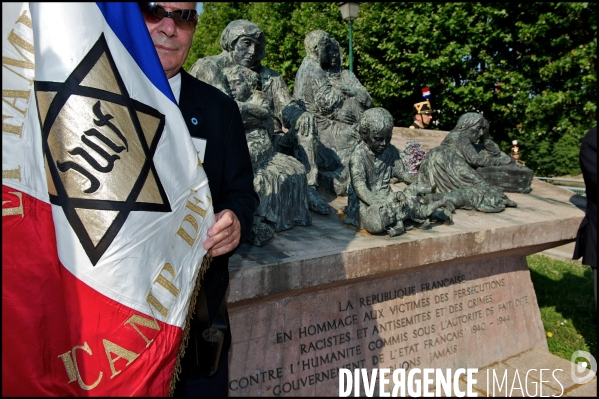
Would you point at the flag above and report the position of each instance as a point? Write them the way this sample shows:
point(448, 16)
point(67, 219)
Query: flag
point(426, 93)
point(105, 205)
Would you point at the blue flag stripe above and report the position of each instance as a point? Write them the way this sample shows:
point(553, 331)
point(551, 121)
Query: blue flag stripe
point(135, 37)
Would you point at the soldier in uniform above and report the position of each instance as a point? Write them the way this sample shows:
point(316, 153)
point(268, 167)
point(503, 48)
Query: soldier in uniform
point(423, 115)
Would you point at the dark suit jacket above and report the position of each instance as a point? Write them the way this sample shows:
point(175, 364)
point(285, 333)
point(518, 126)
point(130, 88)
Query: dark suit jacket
point(586, 238)
point(228, 167)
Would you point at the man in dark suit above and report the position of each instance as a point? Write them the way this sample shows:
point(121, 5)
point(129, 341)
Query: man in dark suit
point(213, 119)
point(586, 239)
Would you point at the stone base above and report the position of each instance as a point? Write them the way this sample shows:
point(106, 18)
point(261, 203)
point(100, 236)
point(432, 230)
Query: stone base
point(427, 138)
point(463, 315)
point(324, 297)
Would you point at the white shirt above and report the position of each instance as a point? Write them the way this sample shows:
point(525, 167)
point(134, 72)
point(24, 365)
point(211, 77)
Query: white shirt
point(175, 83)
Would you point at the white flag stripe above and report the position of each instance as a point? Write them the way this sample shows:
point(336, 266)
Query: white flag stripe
point(147, 241)
point(21, 148)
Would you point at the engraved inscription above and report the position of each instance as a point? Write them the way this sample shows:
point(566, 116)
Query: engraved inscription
point(432, 323)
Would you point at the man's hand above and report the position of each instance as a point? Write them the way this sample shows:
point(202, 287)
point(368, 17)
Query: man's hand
point(224, 235)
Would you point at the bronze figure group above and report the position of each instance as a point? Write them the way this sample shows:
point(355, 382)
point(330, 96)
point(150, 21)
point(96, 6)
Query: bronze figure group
point(329, 134)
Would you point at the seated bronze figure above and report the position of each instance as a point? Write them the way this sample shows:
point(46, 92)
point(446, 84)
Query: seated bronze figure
point(372, 203)
point(454, 168)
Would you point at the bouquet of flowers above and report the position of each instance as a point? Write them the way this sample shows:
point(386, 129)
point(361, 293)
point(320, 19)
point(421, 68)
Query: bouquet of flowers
point(413, 154)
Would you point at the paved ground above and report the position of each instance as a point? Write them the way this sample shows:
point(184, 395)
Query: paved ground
point(556, 383)
point(536, 359)
point(520, 376)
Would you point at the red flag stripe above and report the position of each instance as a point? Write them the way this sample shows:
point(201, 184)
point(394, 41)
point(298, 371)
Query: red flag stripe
point(128, 343)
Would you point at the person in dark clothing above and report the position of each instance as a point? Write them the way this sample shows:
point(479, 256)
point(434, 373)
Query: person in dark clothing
point(423, 115)
point(213, 119)
point(586, 238)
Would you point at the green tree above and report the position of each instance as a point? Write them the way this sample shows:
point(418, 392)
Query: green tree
point(555, 54)
point(530, 68)
point(211, 22)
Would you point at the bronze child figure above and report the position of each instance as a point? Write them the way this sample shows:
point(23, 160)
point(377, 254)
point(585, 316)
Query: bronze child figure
point(372, 204)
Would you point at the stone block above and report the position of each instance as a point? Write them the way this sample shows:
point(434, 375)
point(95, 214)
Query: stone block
point(320, 298)
point(427, 138)
point(436, 318)
point(539, 359)
point(588, 389)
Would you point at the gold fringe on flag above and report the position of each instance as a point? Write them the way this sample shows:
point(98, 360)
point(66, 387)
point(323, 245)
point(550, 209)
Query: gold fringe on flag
point(192, 305)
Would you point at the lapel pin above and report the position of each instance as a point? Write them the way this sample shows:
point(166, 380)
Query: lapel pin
point(194, 121)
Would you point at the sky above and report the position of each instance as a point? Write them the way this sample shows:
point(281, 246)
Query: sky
point(199, 7)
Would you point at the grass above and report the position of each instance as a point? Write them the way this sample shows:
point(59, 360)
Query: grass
point(565, 296)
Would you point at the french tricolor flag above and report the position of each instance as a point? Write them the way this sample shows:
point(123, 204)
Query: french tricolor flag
point(105, 206)
point(426, 93)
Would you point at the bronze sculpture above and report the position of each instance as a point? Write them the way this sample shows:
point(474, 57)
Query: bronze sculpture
point(453, 168)
point(337, 100)
point(279, 179)
point(243, 43)
point(372, 203)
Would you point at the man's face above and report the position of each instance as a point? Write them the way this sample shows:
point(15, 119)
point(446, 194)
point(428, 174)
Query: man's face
point(378, 141)
point(248, 52)
point(172, 39)
point(426, 118)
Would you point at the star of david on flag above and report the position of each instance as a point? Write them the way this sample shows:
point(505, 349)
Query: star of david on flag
point(105, 206)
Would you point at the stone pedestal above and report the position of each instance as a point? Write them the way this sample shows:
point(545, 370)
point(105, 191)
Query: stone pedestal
point(428, 139)
point(326, 296)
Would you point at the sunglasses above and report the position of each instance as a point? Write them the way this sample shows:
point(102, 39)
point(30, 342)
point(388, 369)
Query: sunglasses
point(184, 19)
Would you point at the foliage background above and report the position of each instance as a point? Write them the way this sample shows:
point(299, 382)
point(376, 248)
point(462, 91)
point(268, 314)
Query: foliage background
point(530, 68)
